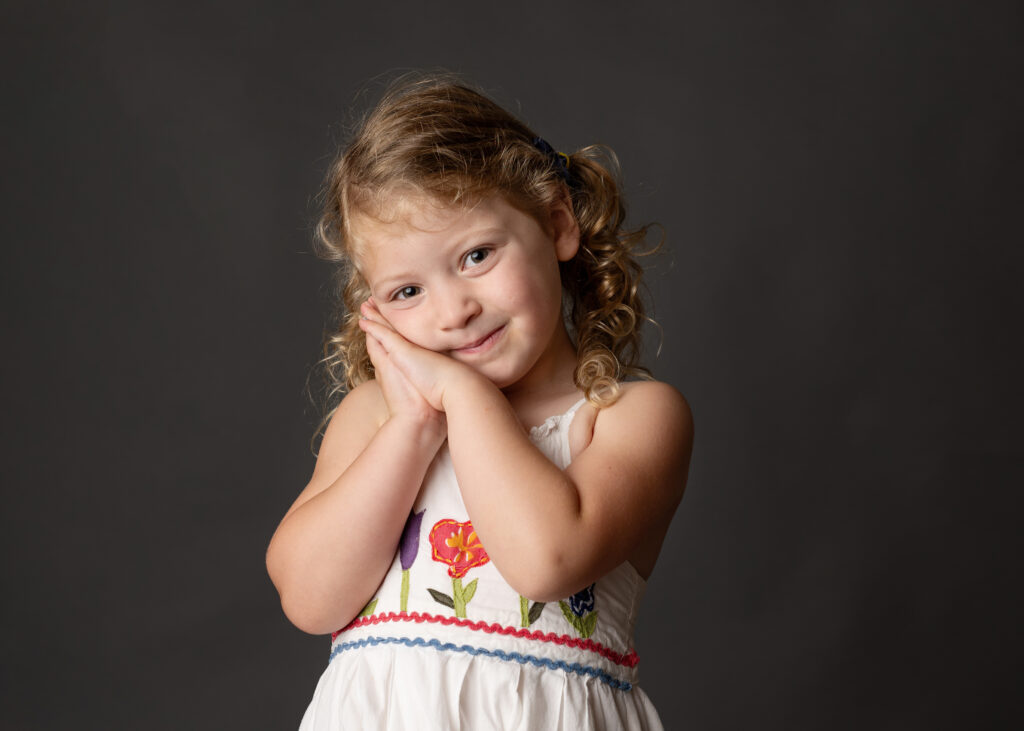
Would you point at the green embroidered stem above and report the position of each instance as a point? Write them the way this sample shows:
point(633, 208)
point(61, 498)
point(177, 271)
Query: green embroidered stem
point(404, 601)
point(461, 596)
point(458, 599)
point(524, 610)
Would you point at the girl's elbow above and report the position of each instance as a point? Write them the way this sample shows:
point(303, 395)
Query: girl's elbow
point(546, 580)
point(542, 590)
point(301, 607)
point(543, 594)
point(307, 616)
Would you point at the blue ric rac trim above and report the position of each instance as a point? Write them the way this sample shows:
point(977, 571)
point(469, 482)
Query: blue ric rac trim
point(500, 654)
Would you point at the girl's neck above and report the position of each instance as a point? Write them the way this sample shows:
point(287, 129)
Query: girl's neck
point(548, 388)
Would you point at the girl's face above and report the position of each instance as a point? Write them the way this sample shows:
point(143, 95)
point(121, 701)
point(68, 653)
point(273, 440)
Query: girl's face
point(478, 283)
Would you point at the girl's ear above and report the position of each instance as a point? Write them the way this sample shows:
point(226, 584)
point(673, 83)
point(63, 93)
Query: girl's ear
point(565, 228)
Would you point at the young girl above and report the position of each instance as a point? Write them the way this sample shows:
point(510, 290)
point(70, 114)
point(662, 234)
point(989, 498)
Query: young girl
point(491, 494)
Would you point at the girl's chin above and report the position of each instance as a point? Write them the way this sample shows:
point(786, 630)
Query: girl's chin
point(505, 380)
point(498, 376)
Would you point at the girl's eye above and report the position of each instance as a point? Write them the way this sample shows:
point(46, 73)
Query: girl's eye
point(475, 257)
point(406, 293)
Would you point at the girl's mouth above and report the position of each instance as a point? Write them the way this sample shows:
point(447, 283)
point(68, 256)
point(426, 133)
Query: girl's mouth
point(481, 345)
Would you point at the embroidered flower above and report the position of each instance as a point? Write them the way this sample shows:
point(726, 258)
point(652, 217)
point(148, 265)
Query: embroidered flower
point(408, 547)
point(582, 601)
point(410, 542)
point(457, 545)
point(578, 611)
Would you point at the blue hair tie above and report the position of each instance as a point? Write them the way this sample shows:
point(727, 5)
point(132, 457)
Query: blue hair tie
point(560, 159)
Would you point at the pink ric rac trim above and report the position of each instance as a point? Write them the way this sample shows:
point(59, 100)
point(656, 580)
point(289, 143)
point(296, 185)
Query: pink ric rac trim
point(628, 660)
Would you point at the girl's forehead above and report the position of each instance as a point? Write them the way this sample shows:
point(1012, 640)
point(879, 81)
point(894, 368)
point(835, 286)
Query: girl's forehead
point(397, 216)
point(417, 211)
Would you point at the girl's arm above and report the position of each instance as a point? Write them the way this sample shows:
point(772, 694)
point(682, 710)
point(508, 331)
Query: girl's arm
point(334, 545)
point(548, 531)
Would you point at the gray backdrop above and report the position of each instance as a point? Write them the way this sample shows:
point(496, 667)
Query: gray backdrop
point(840, 188)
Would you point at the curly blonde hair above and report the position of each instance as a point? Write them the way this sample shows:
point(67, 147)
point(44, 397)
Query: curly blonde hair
point(438, 137)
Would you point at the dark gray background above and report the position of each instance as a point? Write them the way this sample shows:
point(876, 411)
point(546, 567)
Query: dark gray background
point(840, 188)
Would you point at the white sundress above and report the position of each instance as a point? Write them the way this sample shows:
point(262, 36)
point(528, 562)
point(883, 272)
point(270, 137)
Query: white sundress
point(447, 644)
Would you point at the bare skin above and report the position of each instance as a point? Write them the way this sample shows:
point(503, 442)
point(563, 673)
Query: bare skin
point(465, 333)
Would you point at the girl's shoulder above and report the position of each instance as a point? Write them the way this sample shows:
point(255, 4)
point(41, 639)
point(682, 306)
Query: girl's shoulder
point(650, 393)
point(357, 418)
point(365, 402)
point(644, 409)
point(648, 409)
point(362, 409)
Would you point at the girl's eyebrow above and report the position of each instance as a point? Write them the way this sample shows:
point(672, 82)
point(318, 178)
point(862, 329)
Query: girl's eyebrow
point(486, 232)
point(392, 280)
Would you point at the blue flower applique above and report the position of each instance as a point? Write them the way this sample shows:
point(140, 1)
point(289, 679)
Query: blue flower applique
point(579, 611)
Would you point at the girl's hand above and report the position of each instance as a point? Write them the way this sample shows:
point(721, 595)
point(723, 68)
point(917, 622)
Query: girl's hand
point(401, 397)
point(431, 375)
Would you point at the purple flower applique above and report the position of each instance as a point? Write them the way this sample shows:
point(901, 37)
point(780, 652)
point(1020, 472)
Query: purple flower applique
point(579, 611)
point(408, 547)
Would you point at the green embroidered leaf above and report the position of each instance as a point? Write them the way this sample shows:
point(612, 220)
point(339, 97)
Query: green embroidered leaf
point(368, 609)
point(588, 624)
point(570, 617)
point(442, 598)
point(535, 611)
point(468, 591)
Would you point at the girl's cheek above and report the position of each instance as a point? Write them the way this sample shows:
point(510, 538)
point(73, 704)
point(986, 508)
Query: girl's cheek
point(410, 327)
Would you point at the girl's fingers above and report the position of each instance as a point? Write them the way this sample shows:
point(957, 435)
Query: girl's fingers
point(369, 311)
point(376, 351)
point(366, 312)
point(388, 338)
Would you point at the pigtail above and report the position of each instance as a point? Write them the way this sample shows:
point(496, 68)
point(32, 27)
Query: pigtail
point(606, 307)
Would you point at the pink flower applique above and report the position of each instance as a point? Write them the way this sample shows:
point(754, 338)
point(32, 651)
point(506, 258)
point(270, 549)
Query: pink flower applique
point(456, 544)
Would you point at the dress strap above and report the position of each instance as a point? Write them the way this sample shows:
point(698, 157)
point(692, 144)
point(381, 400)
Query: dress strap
point(557, 428)
point(574, 408)
point(558, 419)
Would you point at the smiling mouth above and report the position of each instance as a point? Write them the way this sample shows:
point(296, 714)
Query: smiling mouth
point(479, 346)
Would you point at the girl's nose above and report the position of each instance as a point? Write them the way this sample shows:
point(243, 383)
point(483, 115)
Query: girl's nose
point(457, 308)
